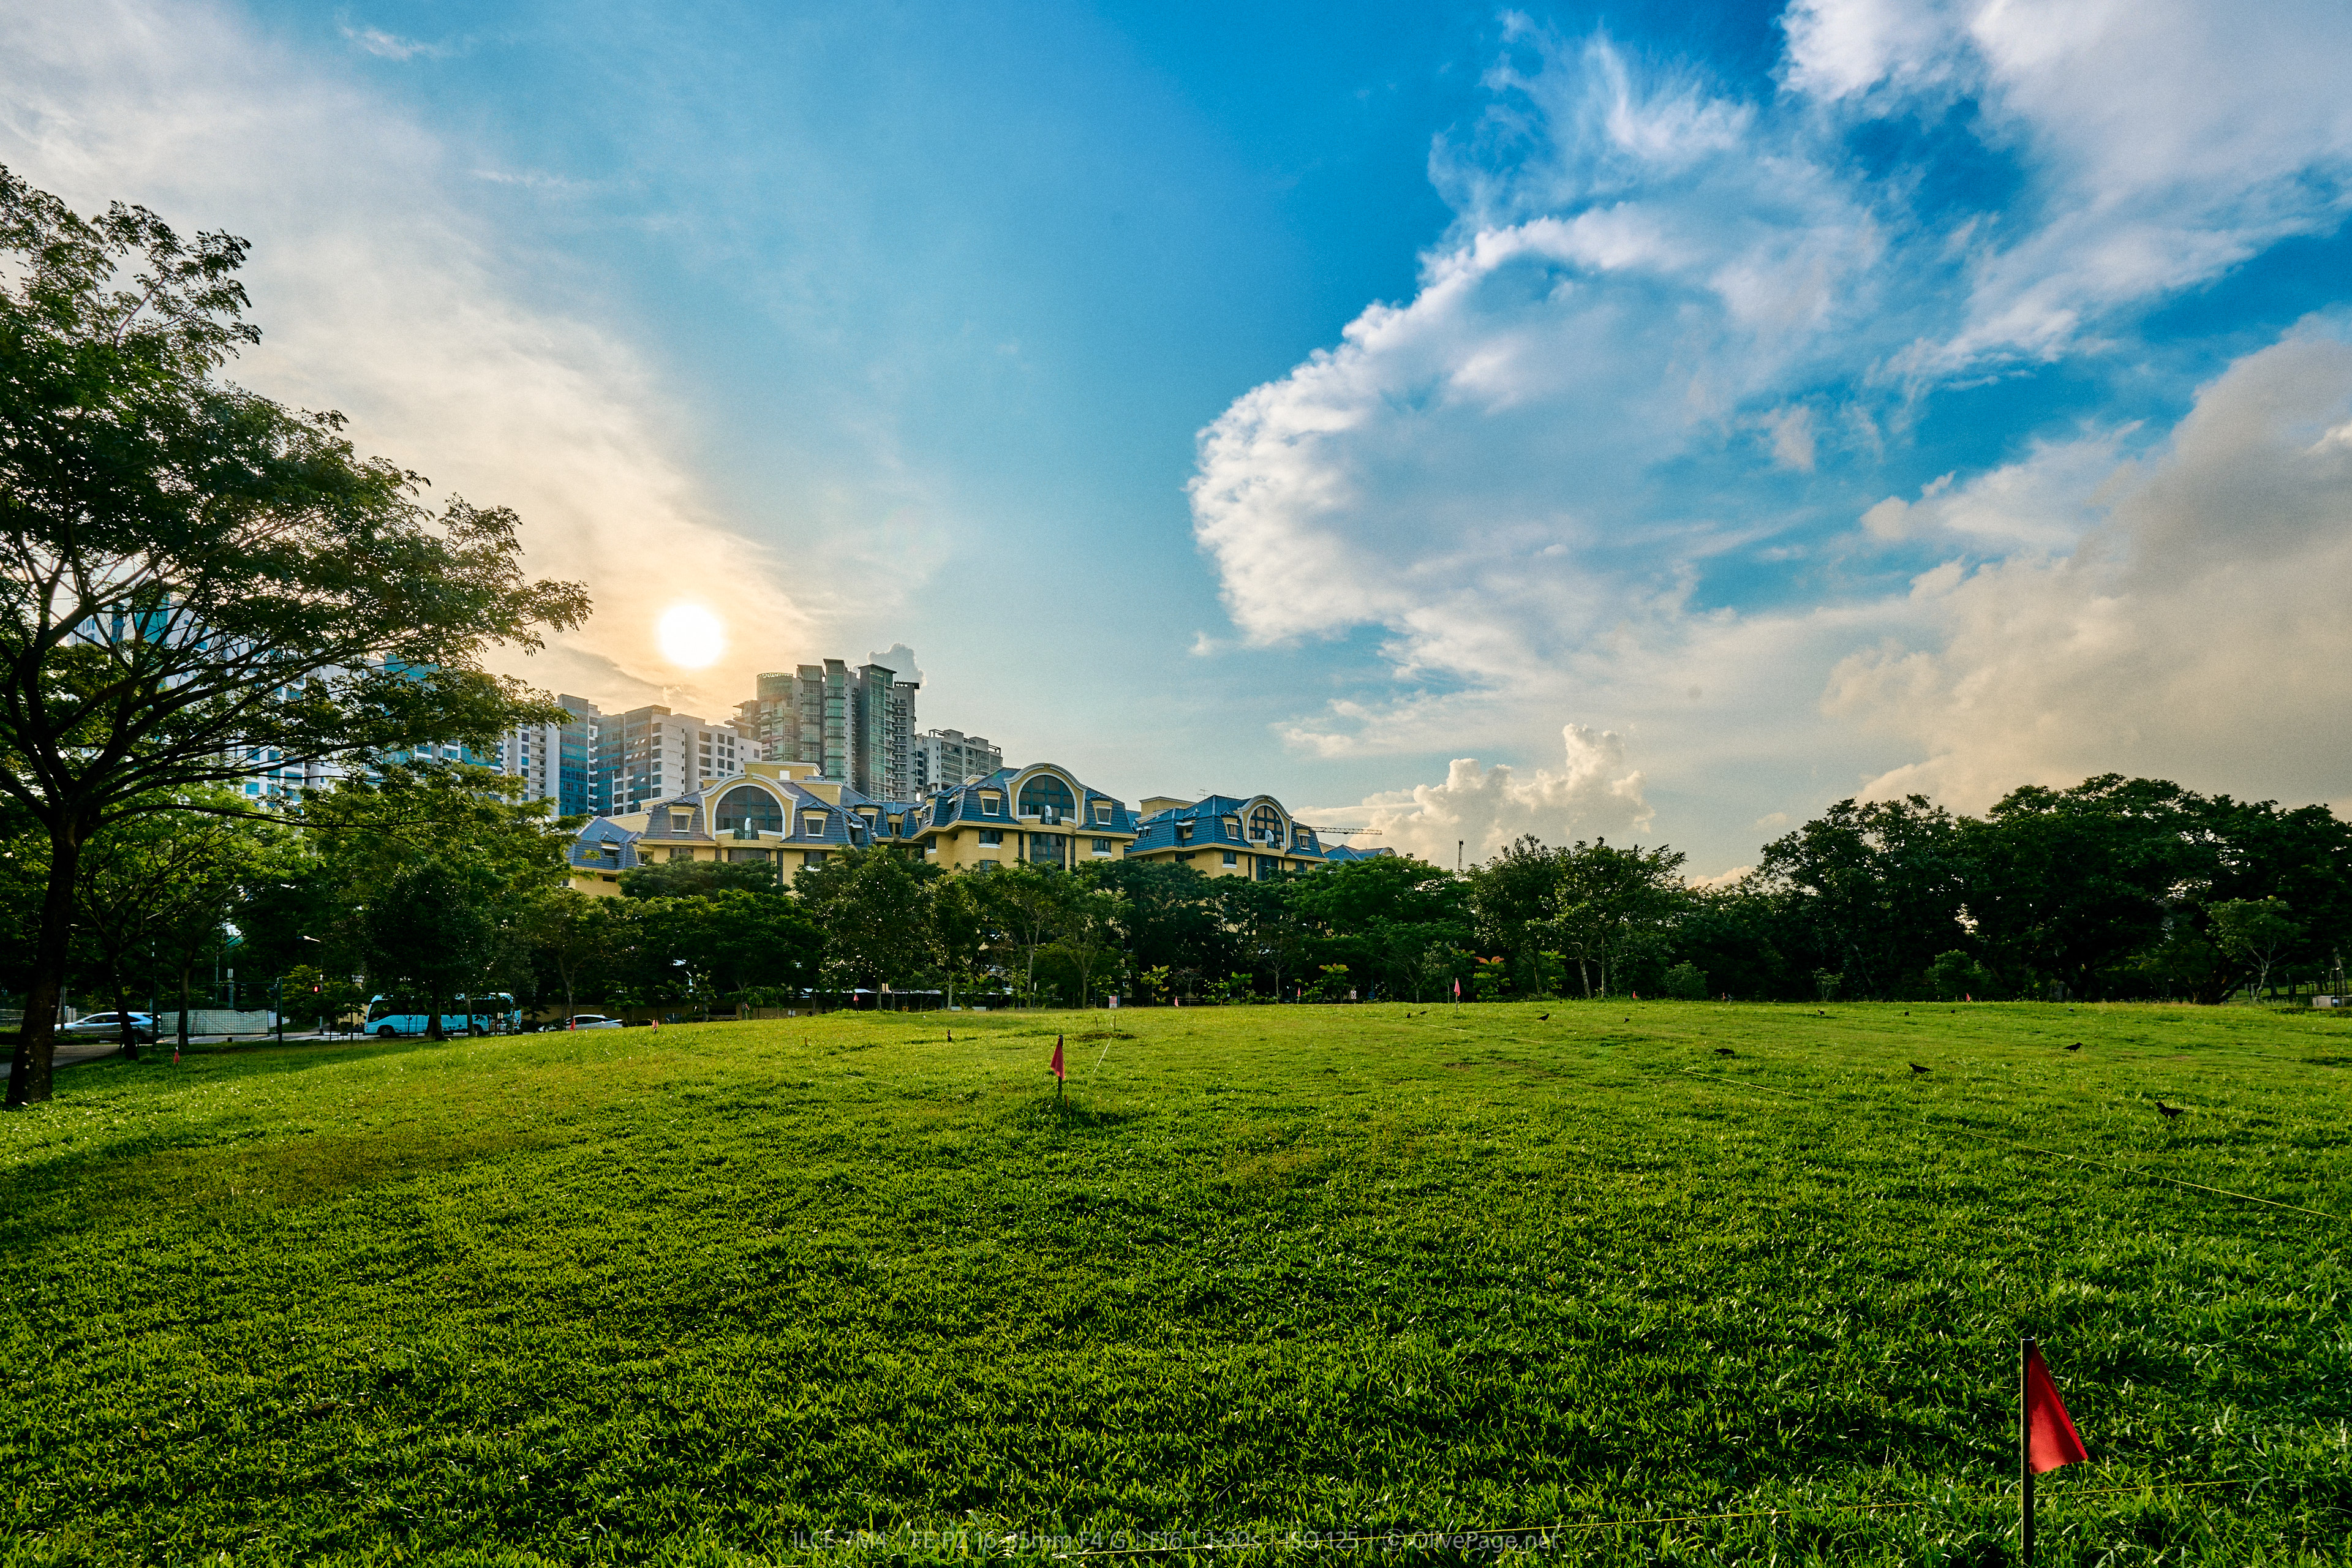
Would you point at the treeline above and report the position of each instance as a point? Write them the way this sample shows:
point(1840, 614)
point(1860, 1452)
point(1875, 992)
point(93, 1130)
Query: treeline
point(433, 879)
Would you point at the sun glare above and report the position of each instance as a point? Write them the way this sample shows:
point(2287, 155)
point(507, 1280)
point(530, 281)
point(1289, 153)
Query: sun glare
point(690, 636)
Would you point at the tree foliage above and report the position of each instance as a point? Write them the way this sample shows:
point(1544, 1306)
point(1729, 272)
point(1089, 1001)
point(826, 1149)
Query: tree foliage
point(195, 582)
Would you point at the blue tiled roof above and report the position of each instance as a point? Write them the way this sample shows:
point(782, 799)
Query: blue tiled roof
point(845, 823)
point(604, 846)
point(952, 803)
point(1208, 830)
point(1342, 852)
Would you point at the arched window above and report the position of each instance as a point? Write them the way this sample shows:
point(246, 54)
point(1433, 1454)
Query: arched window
point(1048, 797)
point(1266, 825)
point(748, 805)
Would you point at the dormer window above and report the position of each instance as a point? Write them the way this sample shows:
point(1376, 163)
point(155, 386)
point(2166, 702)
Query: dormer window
point(680, 822)
point(1233, 826)
point(1184, 832)
point(1102, 813)
point(1047, 799)
point(813, 824)
point(992, 804)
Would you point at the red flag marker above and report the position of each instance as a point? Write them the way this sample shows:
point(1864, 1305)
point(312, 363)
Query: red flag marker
point(1059, 1077)
point(2051, 1439)
point(2046, 1438)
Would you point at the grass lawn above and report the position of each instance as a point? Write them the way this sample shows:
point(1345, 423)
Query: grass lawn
point(696, 1294)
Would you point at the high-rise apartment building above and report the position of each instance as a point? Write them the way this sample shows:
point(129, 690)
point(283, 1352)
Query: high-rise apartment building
point(854, 726)
point(650, 753)
point(943, 757)
point(553, 759)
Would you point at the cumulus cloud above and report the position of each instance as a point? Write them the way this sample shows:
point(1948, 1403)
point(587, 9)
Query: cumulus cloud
point(380, 294)
point(2045, 500)
point(1580, 469)
point(1469, 467)
point(2198, 632)
point(1484, 808)
point(2161, 141)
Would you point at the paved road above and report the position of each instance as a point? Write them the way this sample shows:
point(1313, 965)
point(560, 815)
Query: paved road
point(74, 1053)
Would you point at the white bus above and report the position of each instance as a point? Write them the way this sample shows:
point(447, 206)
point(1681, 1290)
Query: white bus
point(389, 1016)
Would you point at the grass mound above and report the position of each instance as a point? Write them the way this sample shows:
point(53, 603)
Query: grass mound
point(1358, 1279)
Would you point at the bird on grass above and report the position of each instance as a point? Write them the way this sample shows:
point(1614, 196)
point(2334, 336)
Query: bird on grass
point(2167, 1111)
point(1725, 1051)
point(1918, 1069)
point(1543, 1017)
point(2075, 1046)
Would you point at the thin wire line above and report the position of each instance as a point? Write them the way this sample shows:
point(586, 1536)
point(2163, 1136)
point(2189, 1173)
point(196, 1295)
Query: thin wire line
point(1569, 1527)
point(1992, 1137)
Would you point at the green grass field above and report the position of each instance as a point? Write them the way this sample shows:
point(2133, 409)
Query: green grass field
point(700, 1294)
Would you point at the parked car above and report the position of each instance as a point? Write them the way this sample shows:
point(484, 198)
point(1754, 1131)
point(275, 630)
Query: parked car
point(109, 1026)
point(587, 1021)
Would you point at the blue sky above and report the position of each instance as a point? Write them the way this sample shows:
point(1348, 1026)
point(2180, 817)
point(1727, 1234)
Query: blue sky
point(1695, 414)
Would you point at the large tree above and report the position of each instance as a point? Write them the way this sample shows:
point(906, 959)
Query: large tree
point(1617, 907)
point(2068, 885)
point(196, 583)
point(1025, 905)
point(1876, 889)
point(1384, 917)
point(160, 879)
point(873, 906)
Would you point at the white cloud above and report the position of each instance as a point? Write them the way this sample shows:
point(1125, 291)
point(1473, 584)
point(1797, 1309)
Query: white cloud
point(380, 294)
point(1467, 468)
point(899, 660)
point(1661, 302)
point(392, 46)
point(2162, 141)
point(2045, 500)
point(2197, 634)
point(1484, 808)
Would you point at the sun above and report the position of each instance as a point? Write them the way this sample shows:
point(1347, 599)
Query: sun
point(691, 636)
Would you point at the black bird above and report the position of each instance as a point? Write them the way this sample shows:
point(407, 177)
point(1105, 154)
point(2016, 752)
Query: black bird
point(2075, 1046)
point(1918, 1069)
point(2167, 1111)
point(1725, 1051)
point(1629, 1020)
point(1543, 1017)
point(1906, 1012)
point(1820, 1013)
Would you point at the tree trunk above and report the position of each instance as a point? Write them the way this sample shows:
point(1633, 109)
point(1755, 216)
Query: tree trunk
point(433, 1030)
point(36, 1039)
point(187, 965)
point(121, 1011)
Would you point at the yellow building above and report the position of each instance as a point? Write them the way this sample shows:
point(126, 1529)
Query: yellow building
point(771, 814)
point(1040, 813)
point(781, 815)
point(1226, 835)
